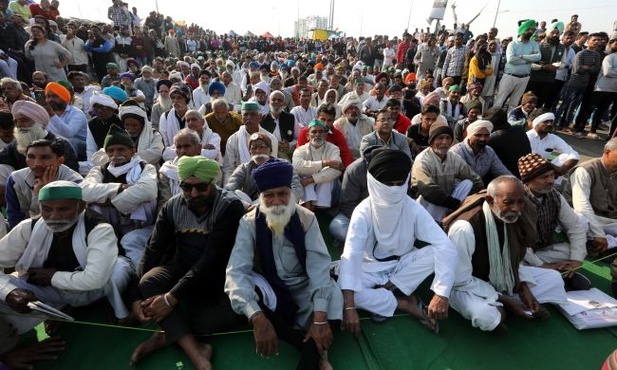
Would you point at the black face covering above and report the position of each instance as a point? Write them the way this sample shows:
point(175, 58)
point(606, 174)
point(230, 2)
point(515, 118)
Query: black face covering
point(389, 166)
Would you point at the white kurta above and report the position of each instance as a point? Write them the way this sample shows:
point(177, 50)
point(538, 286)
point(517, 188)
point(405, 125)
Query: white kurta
point(476, 299)
point(360, 271)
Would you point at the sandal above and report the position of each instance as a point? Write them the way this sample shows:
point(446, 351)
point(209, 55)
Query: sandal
point(425, 320)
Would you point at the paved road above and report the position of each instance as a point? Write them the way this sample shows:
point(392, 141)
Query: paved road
point(587, 148)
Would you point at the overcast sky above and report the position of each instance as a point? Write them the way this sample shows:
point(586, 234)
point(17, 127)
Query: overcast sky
point(356, 17)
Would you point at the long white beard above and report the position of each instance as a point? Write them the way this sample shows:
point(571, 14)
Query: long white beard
point(24, 137)
point(277, 217)
point(165, 103)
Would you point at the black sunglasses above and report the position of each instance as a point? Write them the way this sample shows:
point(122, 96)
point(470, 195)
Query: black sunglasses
point(201, 187)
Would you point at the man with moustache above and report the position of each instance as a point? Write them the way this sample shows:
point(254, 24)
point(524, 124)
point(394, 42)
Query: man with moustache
point(66, 257)
point(83, 90)
point(173, 121)
point(281, 124)
point(520, 54)
point(66, 120)
point(105, 115)
point(210, 141)
point(319, 165)
point(354, 125)
point(148, 142)
point(183, 269)
point(442, 180)
point(475, 151)
point(44, 159)
point(30, 124)
point(491, 232)
point(553, 211)
point(163, 102)
point(186, 142)
point(237, 149)
point(385, 135)
point(223, 121)
point(278, 276)
point(242, 180)
point(123, 190)
point(543, 72)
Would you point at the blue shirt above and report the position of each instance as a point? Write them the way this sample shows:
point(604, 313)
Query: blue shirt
point(520, 55)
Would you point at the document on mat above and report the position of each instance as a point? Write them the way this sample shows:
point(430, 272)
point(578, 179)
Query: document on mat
point(49, 311)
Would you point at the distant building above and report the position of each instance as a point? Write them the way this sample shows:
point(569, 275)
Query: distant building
point(304, 26)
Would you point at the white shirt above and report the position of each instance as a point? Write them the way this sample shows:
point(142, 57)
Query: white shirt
point(200, 97)
point(551, 147)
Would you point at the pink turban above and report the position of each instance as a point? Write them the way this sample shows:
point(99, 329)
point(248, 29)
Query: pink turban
point(31, 110)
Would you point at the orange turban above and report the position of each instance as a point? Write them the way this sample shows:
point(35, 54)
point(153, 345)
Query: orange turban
point(59, 90)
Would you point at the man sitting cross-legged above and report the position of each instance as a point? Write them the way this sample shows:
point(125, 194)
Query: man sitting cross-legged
point(279, 249)
point(184, 264)
point(380, 257)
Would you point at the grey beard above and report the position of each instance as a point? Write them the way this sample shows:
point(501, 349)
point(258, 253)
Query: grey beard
point(277, 217)
point(23, 139)
point(165, 103)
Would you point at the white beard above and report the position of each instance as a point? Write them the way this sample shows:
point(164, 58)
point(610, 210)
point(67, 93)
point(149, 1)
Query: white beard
point(165, 103)
point(24, 137)
point(277, 217)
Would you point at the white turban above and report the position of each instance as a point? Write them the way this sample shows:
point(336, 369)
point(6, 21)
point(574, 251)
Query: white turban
point(351, 102)
point(262, 85)
point(103, 100)
point(31, 110)
point(548, 116)
point(478, 125)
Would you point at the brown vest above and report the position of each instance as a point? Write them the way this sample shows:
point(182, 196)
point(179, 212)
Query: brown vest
point(603, 195)
point(521, 234)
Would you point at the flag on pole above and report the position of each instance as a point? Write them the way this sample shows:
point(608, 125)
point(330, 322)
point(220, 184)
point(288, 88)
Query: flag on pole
point(438, 11)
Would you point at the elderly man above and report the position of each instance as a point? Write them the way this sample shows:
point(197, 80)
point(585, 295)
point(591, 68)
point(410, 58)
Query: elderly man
point(354, 125)
point(358, 92)
point(380, 267)
point(492, 232)
point(297, 296)
point(13, 91)
point(186, 142)
point(201, 94)
point(260, 96)
point(163, 103)
point(30, 124)
point(442, 180)
point(105, 115)
point(592, 191)
point(223, 122)
point(233, 93)
point(242, 182)
point(44, 159)
point(520, 115)
point(319, 165)
point(148, 142)
point(66, 257)
point(210, 140)
point(520, 55)
point(237, 150)
point(384, 135)
point(550, 146)
point(553, 211)
point(123, 190)
point(185, 264)
point(281, 124)
point(173, 121)
point(65, 119)
point(475, 151)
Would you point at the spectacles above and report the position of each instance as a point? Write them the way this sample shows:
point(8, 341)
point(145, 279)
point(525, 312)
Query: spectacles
point(201, 187)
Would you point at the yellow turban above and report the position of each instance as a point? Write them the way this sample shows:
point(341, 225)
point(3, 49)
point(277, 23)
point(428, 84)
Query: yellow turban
point(200, 167)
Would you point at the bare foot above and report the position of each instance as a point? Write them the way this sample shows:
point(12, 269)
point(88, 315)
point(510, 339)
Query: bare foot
point(412, 306)
point(199, 353)
point(324, 364)
point(153, 344)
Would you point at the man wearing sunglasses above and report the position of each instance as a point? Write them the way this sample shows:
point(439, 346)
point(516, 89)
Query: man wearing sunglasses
point(184, 264)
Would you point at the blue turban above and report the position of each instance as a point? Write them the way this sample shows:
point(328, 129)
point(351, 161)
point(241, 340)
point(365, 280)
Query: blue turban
point(115, 93)
point(216, 86)
point(273, 174)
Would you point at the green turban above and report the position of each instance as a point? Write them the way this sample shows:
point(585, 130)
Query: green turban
point(200, 167)
point(117, 136)
point(60, 190)
point(250, 106)
point(525, 25)
point(559, 26)
point(316, 122)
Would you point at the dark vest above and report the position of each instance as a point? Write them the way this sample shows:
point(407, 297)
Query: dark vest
point(99, 129)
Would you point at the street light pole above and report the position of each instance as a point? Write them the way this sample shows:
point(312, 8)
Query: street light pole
point(496, 13)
